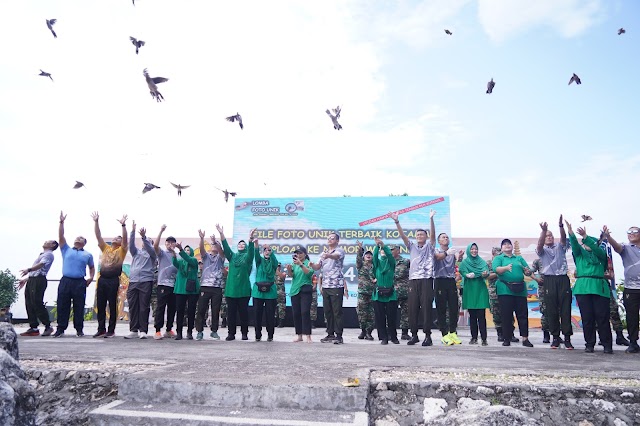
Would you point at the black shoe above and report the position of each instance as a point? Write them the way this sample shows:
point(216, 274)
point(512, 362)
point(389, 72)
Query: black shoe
point(244, 336)
point(500, 336)
point(270, 338)
point(189, 336)
point(620, 340)
point(506, 342)
point(427, 341)
point(313, 326)
point(47, 331)
point(567, 343)
point(484, 342)
point(79, 334)
point(395, 341)
point(527, 343)
point(330, 338)
point(413, 340)
point(338, 340)
point(405, 337)
point(109, 334)
point(384, 342)
point(608, 349)
point(178, 336)
point(281, 323)
point(58, 333)
point(556, 342)
point(473, 341)
point(362, 334)
point(514, 339)
point(100, 333)
point(633, 348)
point(588, 349)
point(547, 337)
point(230, 337)
point(368, 335)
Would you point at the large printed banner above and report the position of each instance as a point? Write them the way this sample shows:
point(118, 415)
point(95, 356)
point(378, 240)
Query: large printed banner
point(287, 223)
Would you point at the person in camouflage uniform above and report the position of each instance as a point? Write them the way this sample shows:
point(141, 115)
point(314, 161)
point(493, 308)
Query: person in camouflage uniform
point(314, 302)
point(281, 311)
point(401, 279)
point(223, 305)
point(616, 321)
point(537, 277)
point(366, 285)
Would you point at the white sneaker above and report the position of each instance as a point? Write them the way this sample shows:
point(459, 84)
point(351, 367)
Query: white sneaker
point(131, 335)
point(142, 335)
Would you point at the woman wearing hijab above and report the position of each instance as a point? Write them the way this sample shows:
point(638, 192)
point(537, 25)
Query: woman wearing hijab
point(384, 295)
point(187, 289)
point(591, 289)
point(301, 293)
point(264, 293)
point(238, 289)
point(475, 297)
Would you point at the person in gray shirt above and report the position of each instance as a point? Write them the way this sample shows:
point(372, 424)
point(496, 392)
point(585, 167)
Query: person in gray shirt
point(557, 286)
point(166, 281)
point(446, 290)
point(630, 254)
point(420, 278)
point(140, 283)
point(210, 286)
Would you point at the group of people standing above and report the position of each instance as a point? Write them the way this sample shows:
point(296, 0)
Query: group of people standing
point(387, 283)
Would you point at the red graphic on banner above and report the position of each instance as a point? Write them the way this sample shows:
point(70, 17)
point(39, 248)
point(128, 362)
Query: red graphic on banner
point(405, 210)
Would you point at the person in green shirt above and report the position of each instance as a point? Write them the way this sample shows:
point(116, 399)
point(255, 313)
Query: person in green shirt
point(512, 292)
point(238, 289)
point(187, 289)
point(300, 292)
point(384, 295)
point(591, 289)
point(264, 292)
point(475, 297)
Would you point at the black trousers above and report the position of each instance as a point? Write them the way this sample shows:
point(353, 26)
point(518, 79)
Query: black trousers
point(477, 320)
point(107, 292)
point(557, 300)
point(386, 313)
point(237, 306)
point(209, 296)
point(420, 304)
point(165, 300)
point(508, 305)
point(34, 301)
point(139, 299)
point(446, 294)
point(594, 310)
point(301, 307)
point(631, 301)
point(265, 307)
point(186, 302)
point(71, 290)
point(332, 307)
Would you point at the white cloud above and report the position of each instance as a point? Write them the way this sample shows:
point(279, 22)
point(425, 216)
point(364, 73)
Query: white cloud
point(502, 19)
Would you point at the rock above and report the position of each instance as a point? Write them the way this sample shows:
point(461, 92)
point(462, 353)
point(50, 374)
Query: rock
point(382, 386)
point(618, 422)
point(585, 423)
point(600, 393)
point(603, 405)
point(467, 404)
point(17, 397)
point(387, 421)
point(9, 340)
point(491, 415)
point(485, 390)
point(627, 395)
point(433, 408)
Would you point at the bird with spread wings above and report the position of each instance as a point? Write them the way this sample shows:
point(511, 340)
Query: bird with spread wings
point(227, 193)
point(335, 116)
point(179, 188)
point(152, 83)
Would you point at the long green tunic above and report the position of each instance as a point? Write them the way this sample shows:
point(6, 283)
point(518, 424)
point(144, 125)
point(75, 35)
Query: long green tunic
point(265, 272)
point(300, 278)
point(515, 275)
point(240, 264)
point(187, 270)
point(384, 268)
point(589, 264)
point(475, 294)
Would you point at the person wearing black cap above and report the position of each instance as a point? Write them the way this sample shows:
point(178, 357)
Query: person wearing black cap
point(512, 292)
point(300, 292)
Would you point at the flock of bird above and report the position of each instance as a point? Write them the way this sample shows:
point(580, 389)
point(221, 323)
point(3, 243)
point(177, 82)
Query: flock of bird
point(150, 186)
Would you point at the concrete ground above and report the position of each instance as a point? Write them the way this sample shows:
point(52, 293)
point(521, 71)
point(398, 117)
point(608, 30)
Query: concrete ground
point(283, 361)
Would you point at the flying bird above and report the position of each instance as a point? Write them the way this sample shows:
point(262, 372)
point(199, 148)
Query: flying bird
point(179, 187)
point(137, 43)
point(448, 32)
point(227, 193)
point(134, 2)
point(152, 82)
point(50, 24)
point(490, 85)
point(237, 118)
point(148, 187)
point(78, 185)
point(334, 117)
point(621, 31)
point(45, 74)
point(575, 78)
point(585, 217)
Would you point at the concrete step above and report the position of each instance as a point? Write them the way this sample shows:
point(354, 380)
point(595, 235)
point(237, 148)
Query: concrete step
point(129, 413)
point(250, 392)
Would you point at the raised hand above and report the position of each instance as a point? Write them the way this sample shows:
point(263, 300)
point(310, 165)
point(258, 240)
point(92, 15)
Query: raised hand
point(143, 233)
point(62, 217)
point(163, 227)
point(394, 216)
point(378, 241)
point(606, 231)
point(253, 231)
point(569, 228)
point(582, 232)
point(133, 225)
point(432, 213)
point(560, 221)
point(220, 229)
point(544, 226)
point(179, 245)
point(213, 239)
point(95, 216)
point(123, 220)
point(201, 233)
point(359, 243)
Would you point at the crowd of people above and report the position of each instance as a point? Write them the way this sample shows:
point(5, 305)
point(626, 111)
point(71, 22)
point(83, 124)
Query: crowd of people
point(388, 285)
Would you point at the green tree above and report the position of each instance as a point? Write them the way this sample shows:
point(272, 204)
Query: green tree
point(399, 195)
point(8, 288)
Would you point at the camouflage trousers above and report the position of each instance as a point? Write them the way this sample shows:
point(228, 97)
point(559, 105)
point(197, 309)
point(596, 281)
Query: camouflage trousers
point(616, 322)
point(364, 309)
point(282, 302)
point(154, 299)
point(314, 306)
point(494, 305)
point(543, 308)
point(223, 307)
point(403, 304)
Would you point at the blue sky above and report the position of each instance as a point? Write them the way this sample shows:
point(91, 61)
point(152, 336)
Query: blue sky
point(415, 116)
